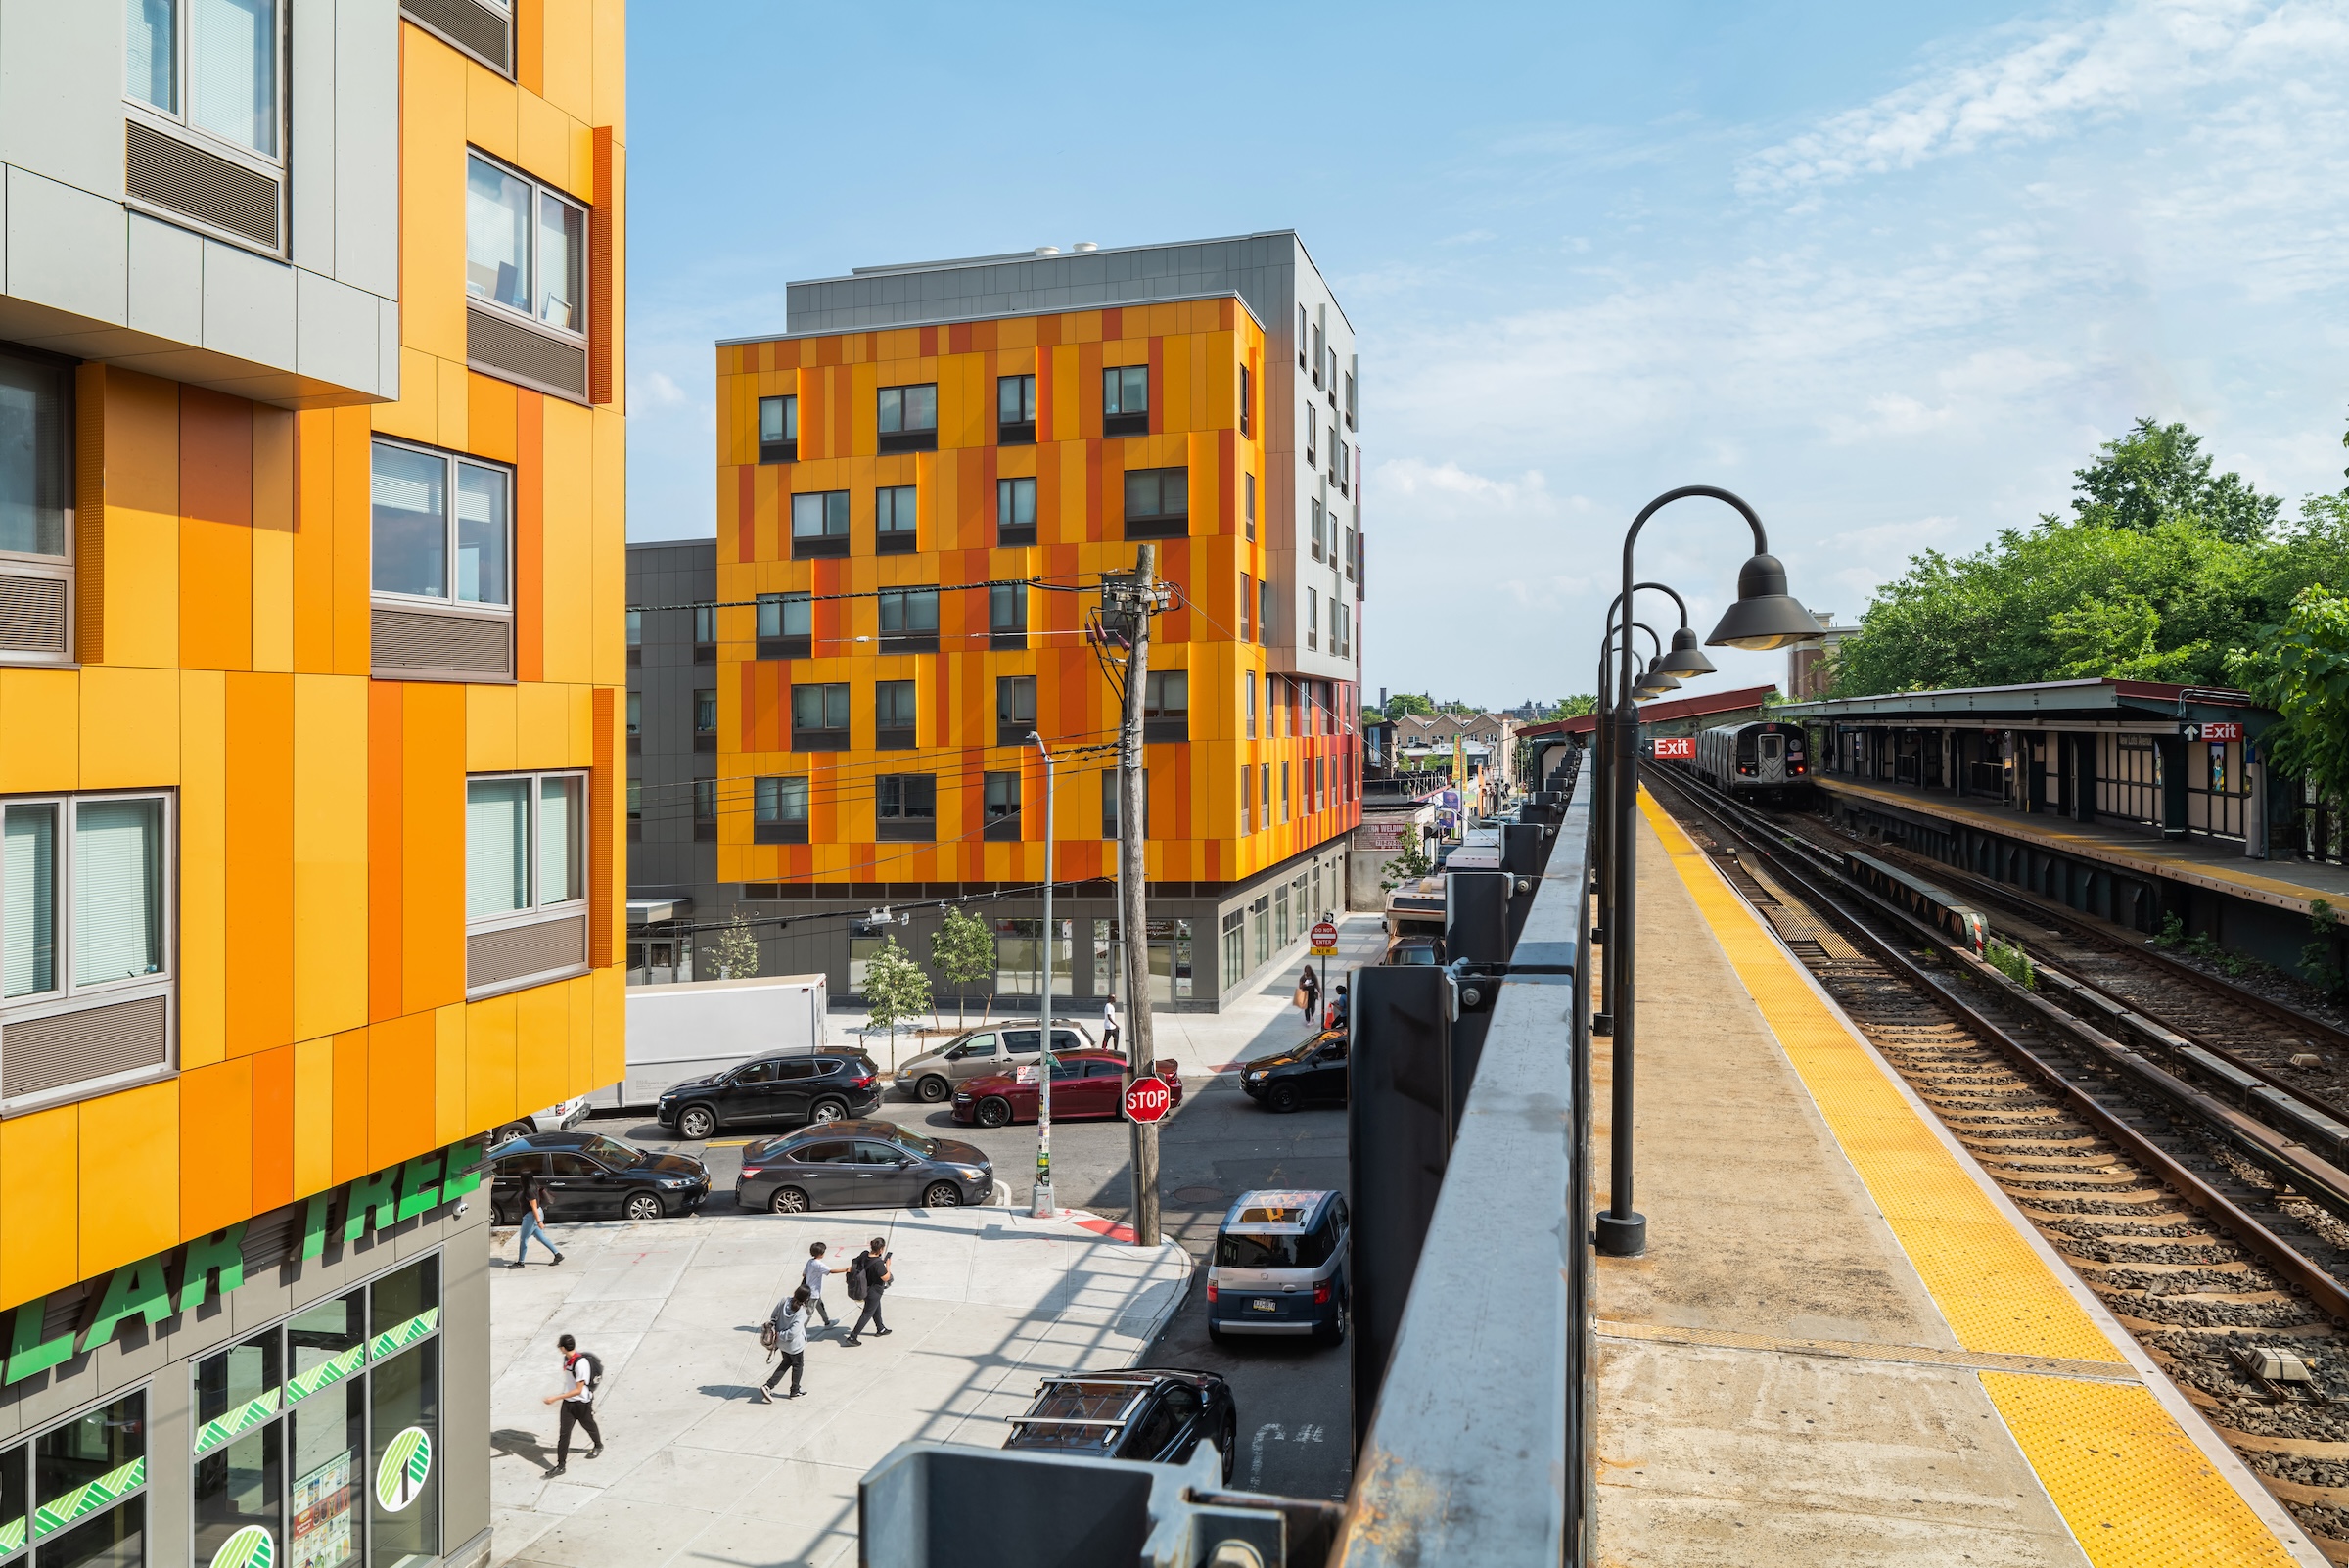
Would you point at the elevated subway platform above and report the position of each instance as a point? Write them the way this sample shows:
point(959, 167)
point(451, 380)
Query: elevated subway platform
point(1844, 1345)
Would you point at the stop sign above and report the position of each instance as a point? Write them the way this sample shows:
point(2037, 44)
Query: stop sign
point(1324, 935)
point(1147, 1099)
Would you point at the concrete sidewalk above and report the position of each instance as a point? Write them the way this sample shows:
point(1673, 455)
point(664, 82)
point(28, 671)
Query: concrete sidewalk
point(694, 1469)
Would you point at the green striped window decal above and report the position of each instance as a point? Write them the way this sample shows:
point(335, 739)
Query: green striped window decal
point(326, 1374)
point(213, 1434)
point(11, 1538)
point(88, 1497)
point(399, 1336)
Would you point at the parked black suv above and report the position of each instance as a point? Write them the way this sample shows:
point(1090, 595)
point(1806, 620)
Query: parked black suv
point(1309, 1073)
point(586, 1175)
point(824, 1086)
point(1157, 1413)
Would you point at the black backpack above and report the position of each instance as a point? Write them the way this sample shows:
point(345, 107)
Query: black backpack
point(857, 1276)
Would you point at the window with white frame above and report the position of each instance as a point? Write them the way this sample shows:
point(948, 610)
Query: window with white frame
point(37, 507)
point(443, 526)
point(1312, 619)
point(86, 922)
point(214, 67)
point(525, 246)
point(526, 851)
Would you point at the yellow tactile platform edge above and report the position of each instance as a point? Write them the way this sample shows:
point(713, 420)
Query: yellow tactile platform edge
point(2129, 1484)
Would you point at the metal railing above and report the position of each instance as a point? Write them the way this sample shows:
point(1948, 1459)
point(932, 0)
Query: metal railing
point(1405, 786)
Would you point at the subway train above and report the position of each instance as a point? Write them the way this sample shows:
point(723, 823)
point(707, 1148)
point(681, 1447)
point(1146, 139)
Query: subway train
point(1764, 759)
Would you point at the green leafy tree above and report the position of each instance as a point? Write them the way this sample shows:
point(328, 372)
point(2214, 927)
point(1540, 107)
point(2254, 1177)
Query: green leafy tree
point(1574, 707)
point(2157, 474)
point(1402, 701)
point(896, 992)
point(1411, 862)
point(735, 951)
point(962, 949)
point(2301, 669)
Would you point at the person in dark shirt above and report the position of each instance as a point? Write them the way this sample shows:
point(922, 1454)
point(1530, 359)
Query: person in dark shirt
point(875, 1264)
point(533, 1222)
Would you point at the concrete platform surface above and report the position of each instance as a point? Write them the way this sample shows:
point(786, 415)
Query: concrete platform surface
point(2218, 864)
point(695, 1470)
point(1842, 1346)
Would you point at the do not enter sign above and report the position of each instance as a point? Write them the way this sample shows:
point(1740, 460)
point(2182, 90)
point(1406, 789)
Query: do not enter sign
point(1324, 935)
point(1147, 1099)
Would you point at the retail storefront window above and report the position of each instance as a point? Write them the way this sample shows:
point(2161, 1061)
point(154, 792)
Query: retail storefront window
point(76, 1493)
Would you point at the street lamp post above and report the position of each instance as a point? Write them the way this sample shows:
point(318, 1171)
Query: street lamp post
point(1043, 1206)
point(1764, 617)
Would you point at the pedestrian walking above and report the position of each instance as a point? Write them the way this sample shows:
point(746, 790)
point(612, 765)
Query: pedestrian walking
point(533, 1222)
point(790, 1320)
point(582, 1371)
point(868, 1279)
point(1337, 1006)
point(812, 1276)
point(1309, 994)
point(1109, 1026)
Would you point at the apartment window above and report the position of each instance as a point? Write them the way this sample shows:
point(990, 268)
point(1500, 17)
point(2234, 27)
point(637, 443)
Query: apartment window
point(1312, 619)
point(1167, 706)
point(526, 247)
point(778, 430)
point(1333, 382)
point(819, 523)
point(1345, 456)
point(1248, 503)
point(1015, 511)
point(905, 807)
point(1301, 336)
point(223, 76)
point(1246, 403)
point(635, 802)
point(1247, 607)
point(1312, 440)
point(893, 716)
point(36, 468)
point(85, 908)
point(705, 633)
point(635, 629)
point(1234, 935)
point(1320, 529)
point(1125, 400)
point(1343, 632)
point(786, 625)
point(1350, 408)
point(1015, 410)
point(1002, 804)
point(893, 520)
point(1350, 540)
point(636, 714)
point(1015, 709)
point(1247, 796)
point(819, 718)
point(1284, 792)
point(908, 419)
point(1264, 790)
point(443, 526)
point(705, 720)
point(525, 878)
point(1337, 452)
point(1007, 614)
point(909, 620)
point(1158, 504)
point(1264, 611)
point(779, 811)
point(705, 807)
point(1317, 353)
point(1248, 703)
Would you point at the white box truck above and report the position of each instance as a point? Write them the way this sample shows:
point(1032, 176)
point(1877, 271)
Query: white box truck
point(701, 1027)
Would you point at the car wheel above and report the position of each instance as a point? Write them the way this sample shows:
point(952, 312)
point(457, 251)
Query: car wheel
point(512, 1130)
point(1214, 1335)
point(698, 1122)
point(933, 1089)
point(1335, 1333)
point(827, 1111)
point(995, 1111)
point(1281, 1098)
point(789, 1200)
point(1229, 1445)
point(644, 1206)
point(941, 1195)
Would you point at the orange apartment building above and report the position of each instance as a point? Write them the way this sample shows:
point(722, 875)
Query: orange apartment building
point(920, 487)
point(311, 666)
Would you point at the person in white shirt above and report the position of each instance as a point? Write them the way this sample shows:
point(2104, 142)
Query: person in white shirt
point(813, 1274)
point(790, 1319)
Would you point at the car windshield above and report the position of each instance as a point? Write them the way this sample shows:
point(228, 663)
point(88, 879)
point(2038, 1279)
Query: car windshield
point(1415, 955)
point(915, 1143)
point(1088, 1402)
point(612, 1150)
point(1310, 1250)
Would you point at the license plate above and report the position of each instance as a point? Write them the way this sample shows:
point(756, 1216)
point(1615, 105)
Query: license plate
point(1263, 1304)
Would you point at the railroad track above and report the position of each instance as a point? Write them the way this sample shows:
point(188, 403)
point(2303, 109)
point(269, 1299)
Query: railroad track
point(2175, 1205)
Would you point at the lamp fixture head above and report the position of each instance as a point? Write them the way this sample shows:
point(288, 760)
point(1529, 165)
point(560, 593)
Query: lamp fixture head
point(1685, 657)
point(1765, 616)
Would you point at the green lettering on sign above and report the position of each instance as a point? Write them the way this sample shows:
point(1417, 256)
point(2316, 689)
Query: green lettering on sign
point(223, 1251)
point(28, 1352)
point(135, 1288)
point(314, 1222)
point(419, 1186)
point(463, 1168)
point(373, 1199)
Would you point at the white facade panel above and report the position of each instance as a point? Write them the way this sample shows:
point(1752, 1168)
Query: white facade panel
point(60, 91)
point(166, 293)
point(65, 248)
point(366, 146)
point(336, 338)
point(249, 305)
point(387, 349)
point(311, 93)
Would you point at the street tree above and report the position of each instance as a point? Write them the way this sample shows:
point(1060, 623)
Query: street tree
point(2301, 669)
point(1411, 862)
point(896, 992)
point(2157, 474)
point(1401, 703)
point(735, 951)
point(962, 949)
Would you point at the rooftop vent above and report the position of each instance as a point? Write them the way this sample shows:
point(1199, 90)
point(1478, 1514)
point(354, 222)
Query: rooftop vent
point(1084, 244)
point(1047, 250)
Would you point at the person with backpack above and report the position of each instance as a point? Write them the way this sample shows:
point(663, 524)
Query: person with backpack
point(868, 1279)
point(533, 1222)
point(785, 1335)
point(582, 1371)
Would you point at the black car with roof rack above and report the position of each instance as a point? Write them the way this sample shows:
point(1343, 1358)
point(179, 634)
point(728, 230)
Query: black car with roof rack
point(1155, 1414)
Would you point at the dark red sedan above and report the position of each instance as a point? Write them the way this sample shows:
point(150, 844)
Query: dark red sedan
point(1084, 1083)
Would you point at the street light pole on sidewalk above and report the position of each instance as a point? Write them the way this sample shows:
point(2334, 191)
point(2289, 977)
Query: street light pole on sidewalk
point(1044, 1205)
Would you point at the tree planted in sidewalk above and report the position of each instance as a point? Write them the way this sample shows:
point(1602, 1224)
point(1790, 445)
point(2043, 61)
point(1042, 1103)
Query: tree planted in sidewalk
point(896, 992)
point(1409, 865)
point(734, 954)
point(963, 949)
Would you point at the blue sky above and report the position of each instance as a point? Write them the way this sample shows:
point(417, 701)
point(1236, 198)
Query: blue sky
point(1889, 272)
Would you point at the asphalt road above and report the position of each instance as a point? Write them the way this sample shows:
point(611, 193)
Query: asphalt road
point(1294, 1396)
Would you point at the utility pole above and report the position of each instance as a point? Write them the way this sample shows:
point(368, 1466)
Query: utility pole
point(1127, 605)
point(1044, 1205)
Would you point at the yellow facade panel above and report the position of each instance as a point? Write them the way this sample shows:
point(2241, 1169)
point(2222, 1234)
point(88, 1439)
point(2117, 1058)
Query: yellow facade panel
point(313, 1114)
point(416, 417)
point(116, 754)
point(330, 856)
point(542, 725)
point(203, 867)
point(129, 1147)
point(449, 1119)
point(453, 420)
point(489, 1061)
point(432, 203)
point(40, 1245)
point(543, 147)
point(490, 728)
point(493, 114)
point(567, 69)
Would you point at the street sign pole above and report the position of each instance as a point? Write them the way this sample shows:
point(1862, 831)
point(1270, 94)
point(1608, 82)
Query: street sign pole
point(1044, 1205)
point(1134, 618)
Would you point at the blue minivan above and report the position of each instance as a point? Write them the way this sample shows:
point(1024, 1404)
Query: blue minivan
point(1279, 1268)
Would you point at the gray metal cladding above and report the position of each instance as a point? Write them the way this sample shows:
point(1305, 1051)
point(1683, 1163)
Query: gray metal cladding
point(423, 645)
point(493, 957)
point(513, 351)
point(171, 174)
point(32, 614)
point(38, 1054)
point(474, 28)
